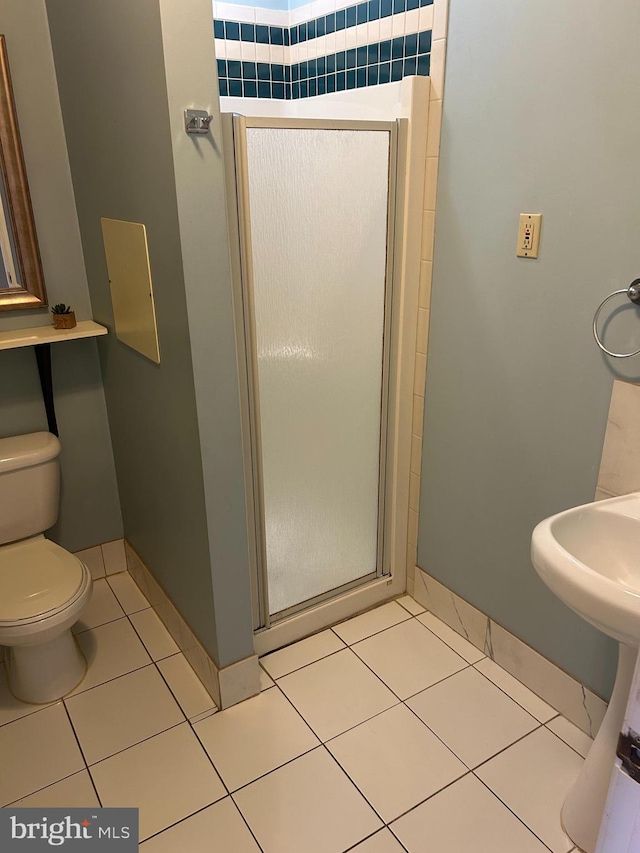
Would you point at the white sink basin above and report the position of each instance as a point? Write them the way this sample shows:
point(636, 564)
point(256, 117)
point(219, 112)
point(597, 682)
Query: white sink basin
point(589, 557)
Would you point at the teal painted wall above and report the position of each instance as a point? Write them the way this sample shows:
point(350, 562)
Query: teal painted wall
point(89, 507)
point(541, 114)
point(175, 426)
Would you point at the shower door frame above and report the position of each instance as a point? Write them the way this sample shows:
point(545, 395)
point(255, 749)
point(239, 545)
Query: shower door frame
point(274, 630)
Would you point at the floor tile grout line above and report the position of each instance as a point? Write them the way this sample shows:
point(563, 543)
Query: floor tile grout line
point(68, 776)
point(462, 637)
point(357, 725)
point(268, 772)
point(136, 669)
point(436, 735)
point(435, 683)
point(380, 679)
point(182, 819)
point(305, 665)
point(488, 657)
point(562, 740)
point(426, 799)
point(50, 785)
point(373, 834)
point(466, 666)
point(75, 734)
point(471, 663)
point(280, 766)
point(304, 719)
point(346, 648)
point(246, 823)
point(102, 683)
point(137, 743)
point(199, 811)
point(302, 755)
point(84, 757)
point(36, 710)
point(505, 748)
point(77, 692)
point(107, 621)
point(400, 700)
point(324, 744)
point(557, 714)
point(126, 572)
point(273, 769)
point(299, 713)
point(471, 769)
point(435, 794)
point(179, 703)
point(346, 645)
point(397, 600)
point(334, 737)
point(344, 621)
point(517, 816)
point(373, 633)
point(201, 716)
point(357, 787)
point(474, 665)
point(508, 746)
point(100, 625)
point(139, 636)
point(302, 640)
point(504, 693)
point(183, 722)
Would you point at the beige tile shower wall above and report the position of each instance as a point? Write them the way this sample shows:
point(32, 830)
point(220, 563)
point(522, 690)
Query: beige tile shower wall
point(620, 463)
point(438, 51)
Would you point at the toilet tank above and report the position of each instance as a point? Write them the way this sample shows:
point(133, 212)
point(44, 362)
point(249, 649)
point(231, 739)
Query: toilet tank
point(29, 485)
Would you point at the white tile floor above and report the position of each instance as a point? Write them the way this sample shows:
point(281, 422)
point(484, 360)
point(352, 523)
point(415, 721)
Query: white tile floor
point(388, 733)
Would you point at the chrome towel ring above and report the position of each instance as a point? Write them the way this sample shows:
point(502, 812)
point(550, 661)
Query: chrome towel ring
point(633, 292)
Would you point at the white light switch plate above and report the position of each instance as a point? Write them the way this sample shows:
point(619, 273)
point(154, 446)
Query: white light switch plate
point(529, 235)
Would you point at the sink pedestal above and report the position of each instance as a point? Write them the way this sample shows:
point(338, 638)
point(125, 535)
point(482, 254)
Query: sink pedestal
point(584, 806)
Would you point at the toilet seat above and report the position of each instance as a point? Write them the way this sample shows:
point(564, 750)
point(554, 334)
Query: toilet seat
point(38, 579)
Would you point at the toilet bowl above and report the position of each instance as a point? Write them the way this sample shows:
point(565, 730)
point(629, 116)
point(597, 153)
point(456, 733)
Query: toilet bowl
point(43, 588)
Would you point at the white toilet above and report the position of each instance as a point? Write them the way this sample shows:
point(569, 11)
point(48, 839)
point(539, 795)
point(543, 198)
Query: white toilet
point(43, 588)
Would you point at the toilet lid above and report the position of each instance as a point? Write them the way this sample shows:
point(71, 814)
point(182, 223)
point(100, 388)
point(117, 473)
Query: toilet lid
point(36, 578)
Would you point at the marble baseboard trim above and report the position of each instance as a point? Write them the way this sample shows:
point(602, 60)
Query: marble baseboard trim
point(239, 681)
point(575, 701)
point(469, 622)
point(226, 686)
point(412, 554)
point(603, 494)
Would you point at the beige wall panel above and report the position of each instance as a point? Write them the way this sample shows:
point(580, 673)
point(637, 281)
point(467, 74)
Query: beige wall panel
point(127, 253)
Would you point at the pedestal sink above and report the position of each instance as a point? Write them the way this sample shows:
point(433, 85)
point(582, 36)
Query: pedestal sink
point(589, 557)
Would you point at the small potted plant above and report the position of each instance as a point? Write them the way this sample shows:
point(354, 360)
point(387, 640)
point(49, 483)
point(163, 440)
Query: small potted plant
point(63, 316)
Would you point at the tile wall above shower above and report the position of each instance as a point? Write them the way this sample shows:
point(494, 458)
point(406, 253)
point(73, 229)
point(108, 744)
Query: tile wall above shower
point(321, 47)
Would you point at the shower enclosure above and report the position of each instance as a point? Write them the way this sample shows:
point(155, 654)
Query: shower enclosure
point(315, 202)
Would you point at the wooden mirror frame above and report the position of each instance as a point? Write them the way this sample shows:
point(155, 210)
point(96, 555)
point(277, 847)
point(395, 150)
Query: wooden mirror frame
point(32, 293)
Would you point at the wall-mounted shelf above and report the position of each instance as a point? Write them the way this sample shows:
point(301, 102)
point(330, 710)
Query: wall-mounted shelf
point(37, 335)
point(41, 338)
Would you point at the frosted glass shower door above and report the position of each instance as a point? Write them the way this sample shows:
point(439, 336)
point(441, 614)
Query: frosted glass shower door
point(319, 222)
